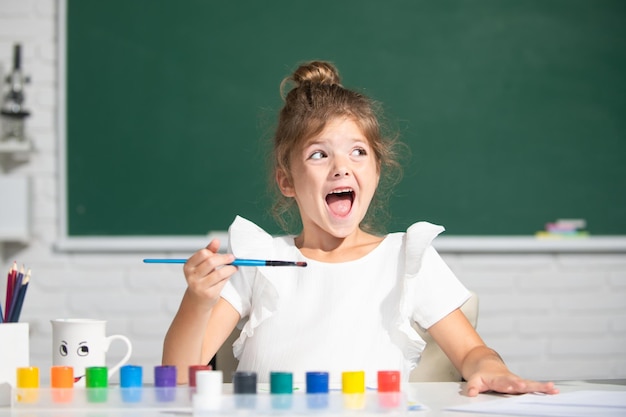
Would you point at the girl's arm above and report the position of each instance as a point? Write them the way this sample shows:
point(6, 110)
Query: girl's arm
point(203, 320)
point(482, 367)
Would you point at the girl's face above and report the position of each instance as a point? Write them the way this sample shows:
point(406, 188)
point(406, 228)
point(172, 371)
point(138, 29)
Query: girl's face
point(334, 177)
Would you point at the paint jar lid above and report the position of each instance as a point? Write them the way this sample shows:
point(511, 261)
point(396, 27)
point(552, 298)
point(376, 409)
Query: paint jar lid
point(131, 376)
point(165, 376)
point(27, 377)
point(97, 377)
point(244, 382)
point(209, 383)
point(316, 382)
point(353, 382)
point(192, 372)
point(281, 382)
point(388, 381)
point(62, 377)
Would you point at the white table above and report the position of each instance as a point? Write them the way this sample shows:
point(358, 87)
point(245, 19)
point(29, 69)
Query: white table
point(435, 396)
point(439, 395)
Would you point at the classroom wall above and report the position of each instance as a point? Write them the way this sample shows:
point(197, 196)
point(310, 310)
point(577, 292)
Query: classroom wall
point(550, 315)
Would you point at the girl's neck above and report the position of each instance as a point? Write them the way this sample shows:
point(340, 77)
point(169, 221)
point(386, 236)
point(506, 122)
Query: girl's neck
point(331, 249)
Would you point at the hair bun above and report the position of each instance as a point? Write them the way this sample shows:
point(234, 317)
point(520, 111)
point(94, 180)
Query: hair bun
point(316, 72)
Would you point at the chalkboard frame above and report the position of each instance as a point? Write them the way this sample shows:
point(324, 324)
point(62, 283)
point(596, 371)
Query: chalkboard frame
point(469, 243)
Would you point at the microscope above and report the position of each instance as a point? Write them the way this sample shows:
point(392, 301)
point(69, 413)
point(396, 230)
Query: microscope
point(13, 112)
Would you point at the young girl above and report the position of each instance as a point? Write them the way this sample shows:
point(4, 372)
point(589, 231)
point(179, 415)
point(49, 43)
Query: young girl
point(351, 308)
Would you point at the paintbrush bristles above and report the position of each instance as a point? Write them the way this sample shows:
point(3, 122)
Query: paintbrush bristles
point(284, 263)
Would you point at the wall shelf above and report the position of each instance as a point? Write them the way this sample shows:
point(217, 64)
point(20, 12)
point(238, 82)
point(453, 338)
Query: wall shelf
point(444, 244)
point(15, 147)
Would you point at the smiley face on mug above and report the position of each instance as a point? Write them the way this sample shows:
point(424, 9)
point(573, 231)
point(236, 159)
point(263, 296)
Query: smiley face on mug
point(80, 350)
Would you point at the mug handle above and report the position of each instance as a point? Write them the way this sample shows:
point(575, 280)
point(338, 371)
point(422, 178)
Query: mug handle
point(126, 357)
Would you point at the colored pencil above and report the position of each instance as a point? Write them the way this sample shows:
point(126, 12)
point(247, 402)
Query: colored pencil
point(2, 319)
point(10, 285)
point(16, 311)
point(17, 285)
point(236, 262)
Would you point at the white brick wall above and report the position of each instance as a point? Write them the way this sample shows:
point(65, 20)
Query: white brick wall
point(550, 315)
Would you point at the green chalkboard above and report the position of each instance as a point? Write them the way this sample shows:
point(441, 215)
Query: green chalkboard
point(515, 111)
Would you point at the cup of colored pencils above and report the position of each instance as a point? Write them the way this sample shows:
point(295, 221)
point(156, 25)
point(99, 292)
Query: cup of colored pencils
point(17, 285)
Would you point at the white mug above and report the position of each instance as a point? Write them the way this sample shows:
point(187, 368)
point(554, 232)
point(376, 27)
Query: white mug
point(82, 343)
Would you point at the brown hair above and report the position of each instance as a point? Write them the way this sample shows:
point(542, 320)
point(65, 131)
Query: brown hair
point(316, 97)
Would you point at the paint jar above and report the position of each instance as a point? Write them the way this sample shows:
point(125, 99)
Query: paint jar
point(353, 389)
point(27, 383)
point(97, 383)
point(208, 396)
point(281, 390)
point(245, 389)
point(62, 384)
point(389, 395)
point(317, 390)
point(165, 382)
point(131, 383)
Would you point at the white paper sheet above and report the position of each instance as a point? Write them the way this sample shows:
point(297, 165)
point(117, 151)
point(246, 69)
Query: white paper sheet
point(573, 404)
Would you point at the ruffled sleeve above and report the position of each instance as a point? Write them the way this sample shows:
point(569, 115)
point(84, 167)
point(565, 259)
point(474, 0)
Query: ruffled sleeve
point(432, 289)
point(429, 290)
point(247, 240)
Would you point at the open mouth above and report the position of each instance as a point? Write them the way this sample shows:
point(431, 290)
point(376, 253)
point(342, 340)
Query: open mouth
point(340, 201)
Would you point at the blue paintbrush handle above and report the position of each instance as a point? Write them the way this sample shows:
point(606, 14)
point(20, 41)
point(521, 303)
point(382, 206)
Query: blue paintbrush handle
point(236, 262)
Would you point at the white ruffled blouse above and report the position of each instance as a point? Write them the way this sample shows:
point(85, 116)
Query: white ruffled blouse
point(338, 317)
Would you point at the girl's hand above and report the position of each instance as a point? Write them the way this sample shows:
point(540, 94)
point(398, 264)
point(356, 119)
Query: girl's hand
point(206, 273)
point(507, 383)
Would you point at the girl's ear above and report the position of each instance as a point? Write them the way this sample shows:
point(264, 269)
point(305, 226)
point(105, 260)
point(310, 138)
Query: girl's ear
point(284, 183)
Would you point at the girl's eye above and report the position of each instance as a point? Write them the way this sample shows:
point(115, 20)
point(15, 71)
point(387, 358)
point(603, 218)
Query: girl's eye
point(359, 152)
point(317, 155)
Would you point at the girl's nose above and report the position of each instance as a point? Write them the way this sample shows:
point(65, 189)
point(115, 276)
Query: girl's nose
point(341, 167)
point(341, 171)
